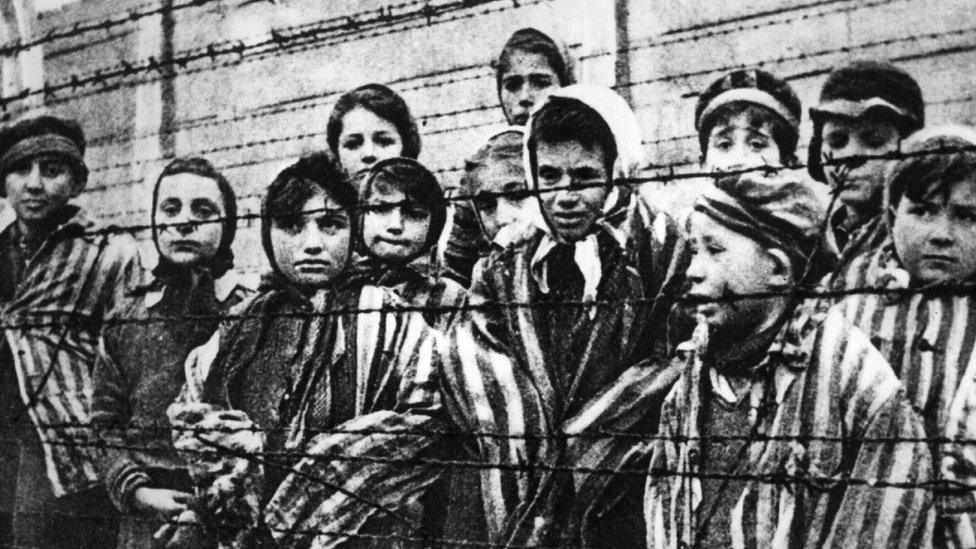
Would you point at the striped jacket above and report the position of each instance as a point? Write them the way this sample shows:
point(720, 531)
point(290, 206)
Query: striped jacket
point(52, 325)
point(930, 342)
point(821, 469)
point(502, 380)
point(361, 372)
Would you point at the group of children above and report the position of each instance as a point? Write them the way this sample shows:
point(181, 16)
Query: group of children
point(540, 359)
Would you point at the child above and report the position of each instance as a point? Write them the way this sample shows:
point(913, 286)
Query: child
point(494, 179)
point(404, 215)
point(140, 364)
point(866, 108)
point(299, 361)
point(530, 66)
point(369, 124)
point(746, 119)
point(777, 433)
point(929, 338)
point(59, 276)
point(583, 275)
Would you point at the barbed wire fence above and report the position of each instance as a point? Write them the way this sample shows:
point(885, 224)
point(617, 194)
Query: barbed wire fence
point(402, 18)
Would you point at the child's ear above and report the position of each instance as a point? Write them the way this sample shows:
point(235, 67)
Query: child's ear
point(782, 273)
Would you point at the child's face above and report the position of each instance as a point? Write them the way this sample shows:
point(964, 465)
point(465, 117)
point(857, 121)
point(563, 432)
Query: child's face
point(394, 228)
point(573, 184)
point(527, 83)
point(504, 176)
point(741, 142)
point(725, 263)
point(365, 140)
point(40, 186)
point(862, 183)
point(936, 237)
point(311, 249)
point(195, 201)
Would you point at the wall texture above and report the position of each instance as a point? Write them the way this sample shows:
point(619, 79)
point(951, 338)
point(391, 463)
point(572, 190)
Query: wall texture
point(249, 83)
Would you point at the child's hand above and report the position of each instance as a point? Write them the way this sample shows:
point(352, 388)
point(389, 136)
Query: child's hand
point(160, 502)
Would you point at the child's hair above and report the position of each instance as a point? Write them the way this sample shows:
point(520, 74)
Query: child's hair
point(295, 185)
point(223, 260)
point(756, 116)
point(417, 184)
point(762, 96)
point(936, 159)
point(505, 146)
point(563, 120)
point(529, 40)
point(384, 103)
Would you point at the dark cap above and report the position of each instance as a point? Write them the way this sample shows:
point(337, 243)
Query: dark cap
point(43, 135)
point(862, 87)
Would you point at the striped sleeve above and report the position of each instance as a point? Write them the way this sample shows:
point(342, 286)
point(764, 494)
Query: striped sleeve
point(887, 503)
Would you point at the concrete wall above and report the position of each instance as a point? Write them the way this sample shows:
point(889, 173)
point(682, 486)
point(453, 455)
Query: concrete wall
point(254, 110)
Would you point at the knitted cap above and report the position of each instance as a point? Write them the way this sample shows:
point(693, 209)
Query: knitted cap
point(43, 135)
point(749, 86)
point(777, 212)
point(859, 88)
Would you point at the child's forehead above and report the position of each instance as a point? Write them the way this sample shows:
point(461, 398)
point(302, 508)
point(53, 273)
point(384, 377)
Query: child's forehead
point(753, 117)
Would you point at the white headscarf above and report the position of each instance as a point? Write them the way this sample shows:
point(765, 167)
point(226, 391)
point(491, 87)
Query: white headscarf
point(615, 111)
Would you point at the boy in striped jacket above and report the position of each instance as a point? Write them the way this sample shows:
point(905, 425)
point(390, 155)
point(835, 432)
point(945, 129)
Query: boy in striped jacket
point(786, 427)
point(59, 276)
point(925, 326)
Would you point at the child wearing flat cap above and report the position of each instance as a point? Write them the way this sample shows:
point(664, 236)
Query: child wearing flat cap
point(866, 109)
point(58, 278)
point(777, 432)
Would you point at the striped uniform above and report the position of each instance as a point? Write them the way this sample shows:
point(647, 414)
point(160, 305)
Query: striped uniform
point(502, 378)
point(865, 239)
point(930, 343)
point(822, 391)
point(359, 372)
point(68, 287)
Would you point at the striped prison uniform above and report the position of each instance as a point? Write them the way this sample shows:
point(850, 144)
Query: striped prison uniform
point(820, 468)
point(52, 323)
point(930, 341)
point(516, 376)
point(502, 393)
point(354, 375)
point(863, 239)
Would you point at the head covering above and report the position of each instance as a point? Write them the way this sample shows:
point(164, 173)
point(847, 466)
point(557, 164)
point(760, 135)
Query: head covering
point(533, 40)
point(43, 135)
point(753, 86)
point(780, 212)
point(399, 172)
point(858, 88)
point(615, 111)
point(492, 148)
point(952, 148)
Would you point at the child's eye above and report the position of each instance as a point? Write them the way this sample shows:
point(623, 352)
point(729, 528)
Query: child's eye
point(512, 83)
point(288, 223)
point(384, 141)
point(836, 140)
point(540, 81)
point(352, 142)
point(920, 209)
point(723, 145)
point(874, 139)
point(53, 168)
point(332, 223)
point(417, 213)
point(758, 144)
point(170, 210)
point(550, 175)
point(966, 215)
point(714, 249)
point(382, 208)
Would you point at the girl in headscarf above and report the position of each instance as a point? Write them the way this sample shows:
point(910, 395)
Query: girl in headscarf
point(308, 355)
point(369, 124)
point(529, 68)
point(140, 364)
point(404, 212)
